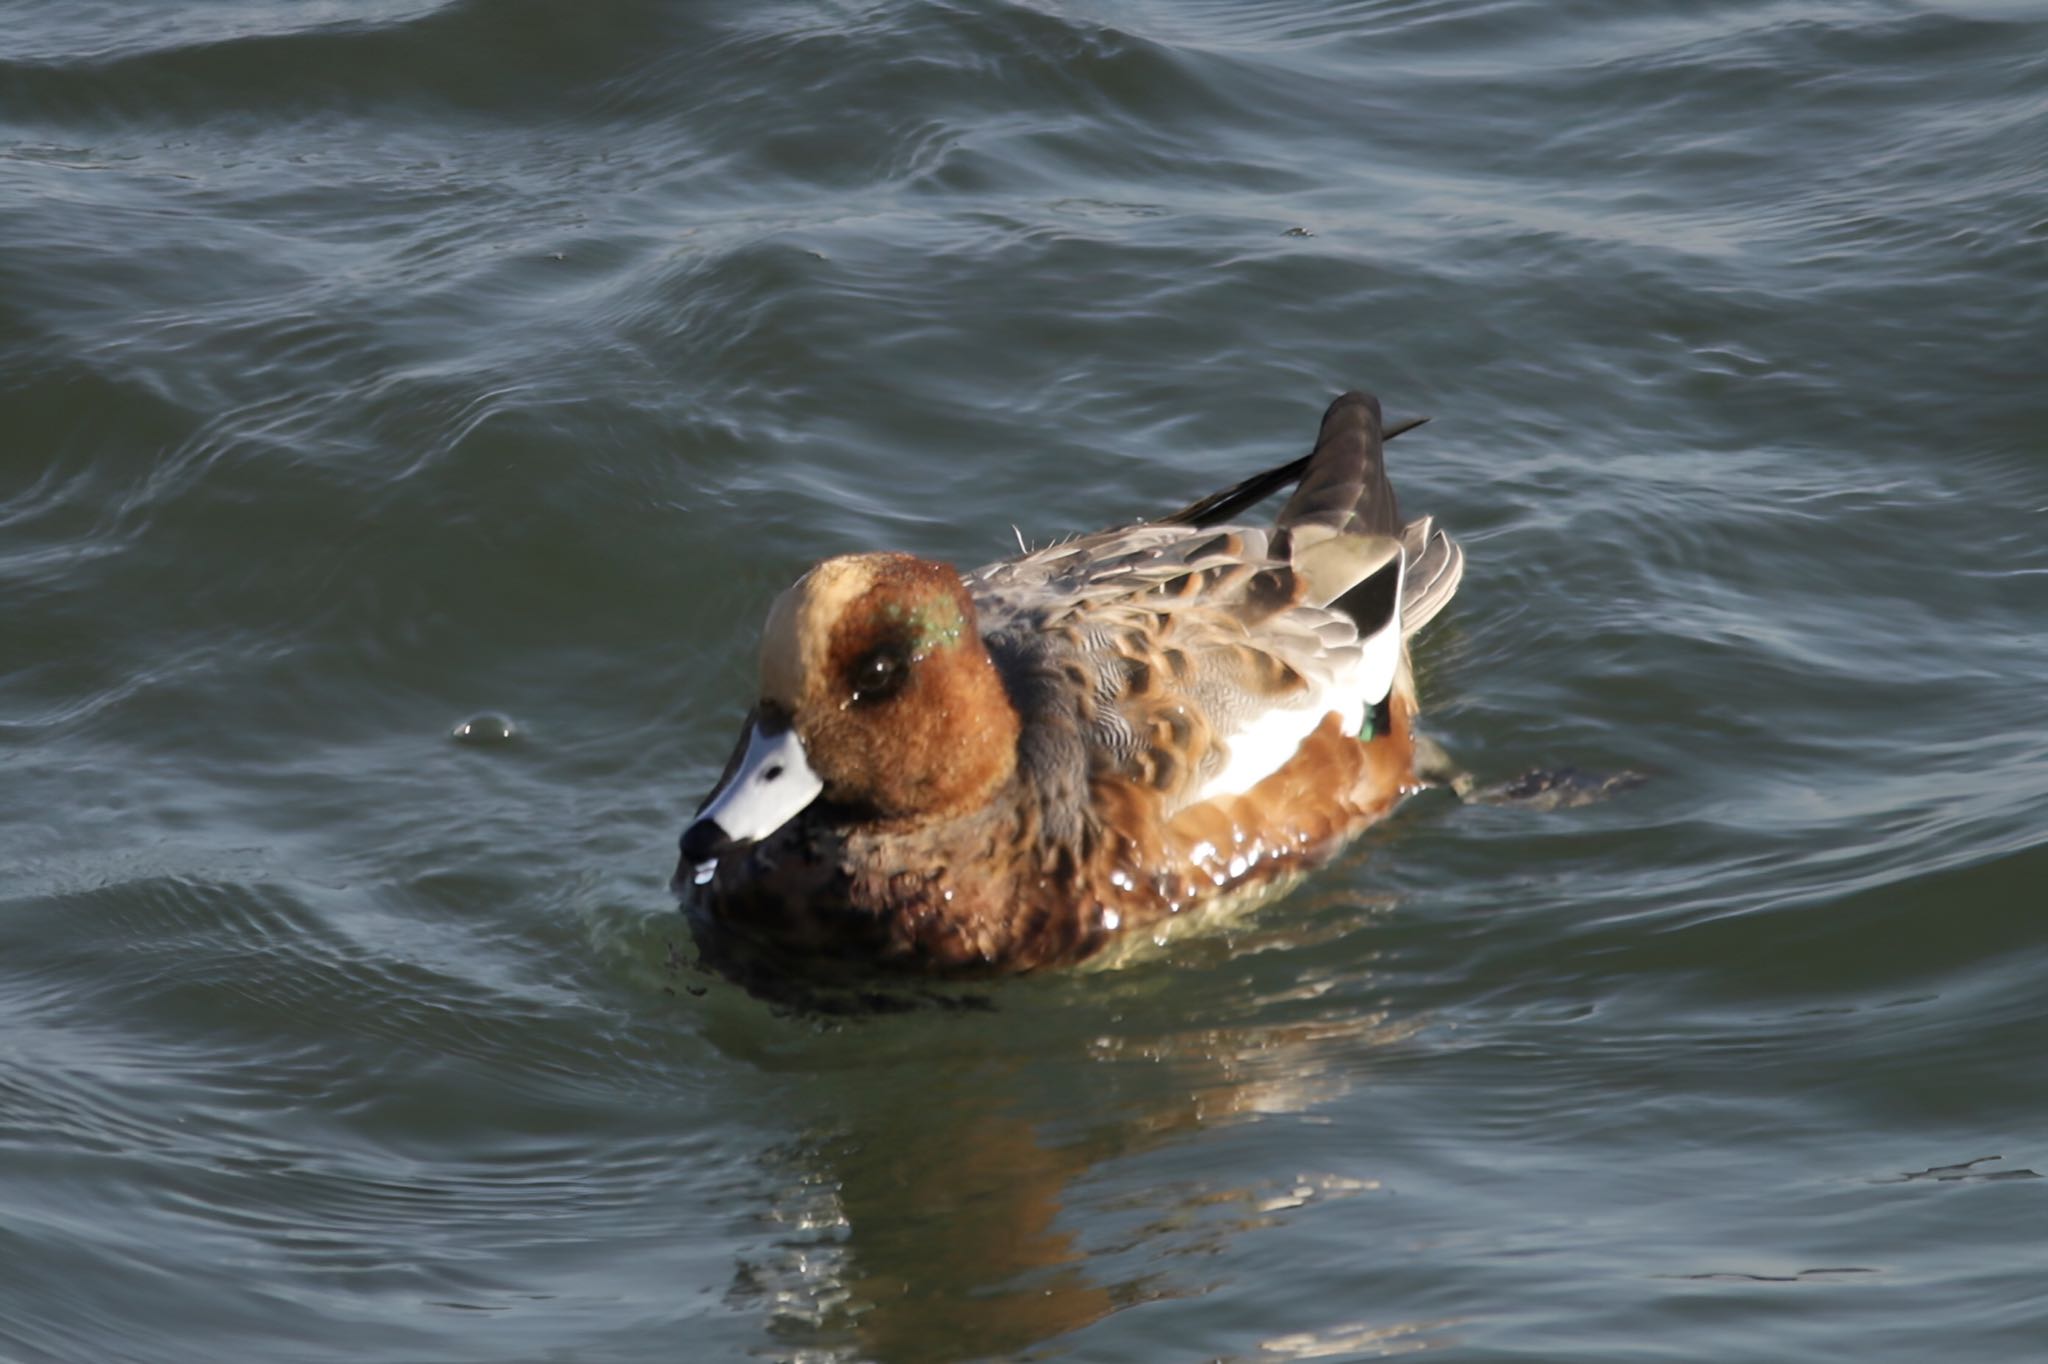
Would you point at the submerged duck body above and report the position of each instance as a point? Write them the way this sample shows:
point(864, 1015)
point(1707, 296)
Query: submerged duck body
point(1020, 766)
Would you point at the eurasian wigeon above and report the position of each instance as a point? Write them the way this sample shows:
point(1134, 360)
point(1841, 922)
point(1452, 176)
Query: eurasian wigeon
point(1016, 767)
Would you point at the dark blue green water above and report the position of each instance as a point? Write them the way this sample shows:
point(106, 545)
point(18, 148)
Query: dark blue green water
point(369, 368)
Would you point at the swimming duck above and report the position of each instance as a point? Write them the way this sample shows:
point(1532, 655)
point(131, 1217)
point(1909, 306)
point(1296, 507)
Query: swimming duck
point(1020, 766)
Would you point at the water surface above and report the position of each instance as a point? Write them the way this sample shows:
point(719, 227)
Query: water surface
point(368, 368)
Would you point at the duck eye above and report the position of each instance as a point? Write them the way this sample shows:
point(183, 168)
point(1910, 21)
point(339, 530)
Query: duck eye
point(879, 674)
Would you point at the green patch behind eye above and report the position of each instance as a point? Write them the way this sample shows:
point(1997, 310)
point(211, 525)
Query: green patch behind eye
point(933, 624)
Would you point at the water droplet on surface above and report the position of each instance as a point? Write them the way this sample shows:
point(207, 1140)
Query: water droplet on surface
point(487, 728)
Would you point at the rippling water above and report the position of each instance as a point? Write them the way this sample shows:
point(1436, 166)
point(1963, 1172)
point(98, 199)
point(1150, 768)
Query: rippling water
point(368, 368)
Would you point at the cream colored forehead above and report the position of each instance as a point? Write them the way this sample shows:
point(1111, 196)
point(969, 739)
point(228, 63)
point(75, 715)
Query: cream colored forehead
point(799, 628)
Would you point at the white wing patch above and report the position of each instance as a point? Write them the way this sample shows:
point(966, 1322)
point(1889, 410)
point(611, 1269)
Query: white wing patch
point(1259, 749)
point(1263, 746)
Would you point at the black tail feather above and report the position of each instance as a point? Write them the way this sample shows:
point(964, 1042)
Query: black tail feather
point(1345, 486)
point(1219, 507)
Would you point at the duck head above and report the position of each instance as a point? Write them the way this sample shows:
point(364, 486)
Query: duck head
point(876, 697)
